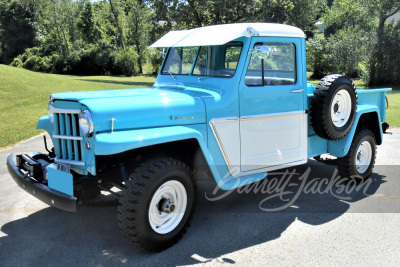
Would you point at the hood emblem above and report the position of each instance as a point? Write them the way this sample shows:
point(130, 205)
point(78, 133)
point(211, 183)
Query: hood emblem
point(112, 120)
point(174, 118)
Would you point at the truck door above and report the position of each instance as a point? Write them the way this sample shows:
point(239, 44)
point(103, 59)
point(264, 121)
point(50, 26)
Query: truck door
point(273, 120)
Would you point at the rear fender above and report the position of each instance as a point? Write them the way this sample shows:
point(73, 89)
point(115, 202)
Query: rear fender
point(368, 116)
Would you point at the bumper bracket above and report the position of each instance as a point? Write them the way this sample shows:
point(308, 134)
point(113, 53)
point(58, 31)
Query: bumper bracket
point(40, 191)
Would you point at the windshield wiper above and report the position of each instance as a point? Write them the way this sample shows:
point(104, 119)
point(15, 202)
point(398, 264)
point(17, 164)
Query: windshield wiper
point(170, 73)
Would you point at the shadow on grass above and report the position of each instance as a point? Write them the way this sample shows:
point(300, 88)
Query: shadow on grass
point(132, 83)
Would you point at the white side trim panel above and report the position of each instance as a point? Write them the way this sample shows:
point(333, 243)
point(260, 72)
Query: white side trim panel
point(268, 141)
point(226, 132)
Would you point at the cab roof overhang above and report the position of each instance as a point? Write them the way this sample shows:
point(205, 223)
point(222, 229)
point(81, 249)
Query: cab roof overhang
point(224, 33)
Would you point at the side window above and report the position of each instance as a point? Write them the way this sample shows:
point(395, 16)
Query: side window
point(200, 68)
point(272, 64)
point(218, 61)
point(232, 55)
point(180, 60)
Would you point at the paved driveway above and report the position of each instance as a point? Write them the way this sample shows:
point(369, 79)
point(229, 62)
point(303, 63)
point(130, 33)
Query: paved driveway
point(316, 229)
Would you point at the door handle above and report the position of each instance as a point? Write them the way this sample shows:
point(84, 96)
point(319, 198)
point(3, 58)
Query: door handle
point(297, 91)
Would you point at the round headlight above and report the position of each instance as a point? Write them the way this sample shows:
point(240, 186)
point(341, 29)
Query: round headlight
point(86, 123)
point(51, 113)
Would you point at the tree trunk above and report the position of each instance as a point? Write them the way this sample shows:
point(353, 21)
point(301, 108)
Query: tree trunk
point(65, 40)
point(379, 52)
point(58, 30)
point(195, 13)
point(140, 57)
point(120, 38)
point(60, 40)
point(137, 44)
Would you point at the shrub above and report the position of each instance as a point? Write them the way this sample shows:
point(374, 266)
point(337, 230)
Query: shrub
point(346, 50)
point(317, 58)
point(343, 52)
point(126, 60)
point(31, 59)
point(17, 62)
point(37, 63)
point(155, 57)
point(91, 59)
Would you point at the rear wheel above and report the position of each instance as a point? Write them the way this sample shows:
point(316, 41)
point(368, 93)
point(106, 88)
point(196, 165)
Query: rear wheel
point(359, 162)
point(157, 205)
point(333, 107)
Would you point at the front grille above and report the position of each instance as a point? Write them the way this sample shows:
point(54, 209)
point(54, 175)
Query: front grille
point(67, 137)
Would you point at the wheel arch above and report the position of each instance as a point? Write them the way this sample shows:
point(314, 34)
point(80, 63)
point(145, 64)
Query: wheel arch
point(368, 117)
point(183, 143)
point(371, 121)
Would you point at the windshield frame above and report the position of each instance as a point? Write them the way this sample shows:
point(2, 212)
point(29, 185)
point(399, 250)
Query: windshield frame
point(226, 46)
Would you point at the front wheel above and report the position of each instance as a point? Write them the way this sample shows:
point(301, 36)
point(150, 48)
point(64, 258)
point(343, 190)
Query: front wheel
point(360, 160)
point(157, 206)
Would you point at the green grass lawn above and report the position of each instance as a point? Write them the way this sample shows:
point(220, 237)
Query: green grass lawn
point(24, 97)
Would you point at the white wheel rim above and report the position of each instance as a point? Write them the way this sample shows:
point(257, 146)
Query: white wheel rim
point(164, 222)
point(341, 108)
point(363, 157)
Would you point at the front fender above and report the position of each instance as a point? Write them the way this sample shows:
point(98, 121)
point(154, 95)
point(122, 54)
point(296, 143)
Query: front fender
point(45, 124)
point(341, 147)
point(121, 141)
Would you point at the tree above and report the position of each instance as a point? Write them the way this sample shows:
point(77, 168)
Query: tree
point(139, 27)
point(87, 24)
point(115, 11)
point(17, 28)
point(346, 50)
point(304, 13)
point(347, 13)
point(381, 9)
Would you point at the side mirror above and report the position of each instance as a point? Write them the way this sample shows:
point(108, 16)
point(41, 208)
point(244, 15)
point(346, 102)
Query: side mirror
point(263, 51)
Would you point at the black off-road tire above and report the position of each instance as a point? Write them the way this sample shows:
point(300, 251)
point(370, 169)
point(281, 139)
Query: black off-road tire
point(322, 104)
point(133, 210)
point(347, 165)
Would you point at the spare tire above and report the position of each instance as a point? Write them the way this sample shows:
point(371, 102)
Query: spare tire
point(333, 107)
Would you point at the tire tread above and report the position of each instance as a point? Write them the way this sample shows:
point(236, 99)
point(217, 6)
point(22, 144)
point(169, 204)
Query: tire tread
point(320, 106)
point(345, 164)
point(139, 181)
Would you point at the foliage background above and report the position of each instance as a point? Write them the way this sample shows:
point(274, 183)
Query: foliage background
point(111, 37)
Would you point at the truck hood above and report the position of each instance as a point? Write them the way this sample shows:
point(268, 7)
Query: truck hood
point(140, 108)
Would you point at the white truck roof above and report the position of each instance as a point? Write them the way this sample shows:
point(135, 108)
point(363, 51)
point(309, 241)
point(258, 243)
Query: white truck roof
point(221, 34)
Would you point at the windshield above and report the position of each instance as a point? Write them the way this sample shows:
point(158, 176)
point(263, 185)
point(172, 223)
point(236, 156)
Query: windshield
point(214, 61)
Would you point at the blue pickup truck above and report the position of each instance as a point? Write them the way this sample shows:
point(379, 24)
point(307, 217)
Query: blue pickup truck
point(231, 102)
